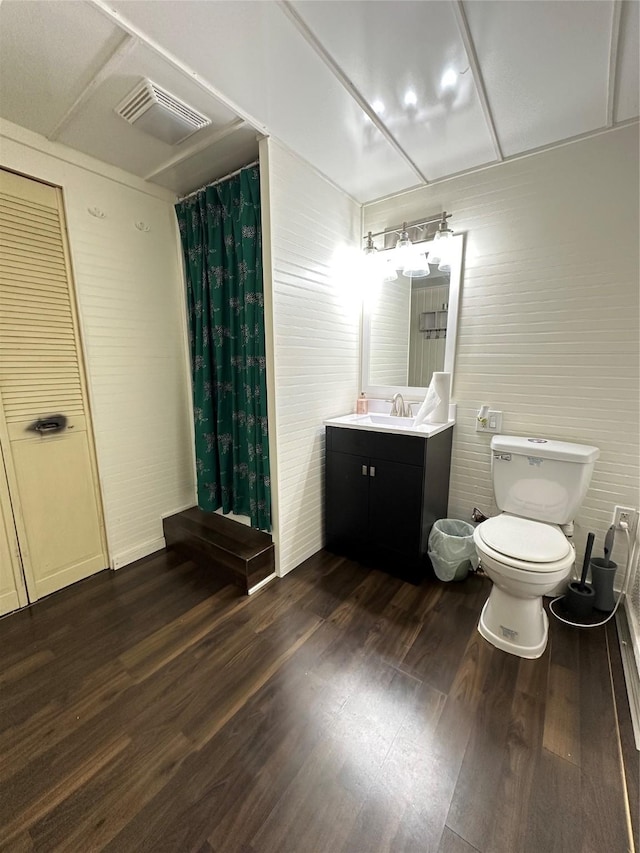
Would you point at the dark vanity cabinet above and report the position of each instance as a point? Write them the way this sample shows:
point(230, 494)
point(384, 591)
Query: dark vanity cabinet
point(383, 492)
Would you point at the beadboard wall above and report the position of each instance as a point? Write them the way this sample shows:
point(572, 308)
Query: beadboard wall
point(426, 354)
point(548, 331)
point(129, 287)
point(314, 235)
point(389, 357)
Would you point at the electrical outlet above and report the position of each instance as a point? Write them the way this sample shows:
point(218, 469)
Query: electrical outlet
point(628, 514)
point(492, 422)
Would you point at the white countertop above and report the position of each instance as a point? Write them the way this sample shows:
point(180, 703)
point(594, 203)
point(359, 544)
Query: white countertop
point(375, 422)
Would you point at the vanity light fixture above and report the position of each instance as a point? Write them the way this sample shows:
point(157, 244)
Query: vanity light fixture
point(404, 257)
point(441, 243)
point(389, 272)
point(370, 250)
point(403, 248)
point(417, 266)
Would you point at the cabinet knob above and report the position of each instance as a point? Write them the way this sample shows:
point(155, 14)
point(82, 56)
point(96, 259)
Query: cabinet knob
point(364, 471)
point(372, 471)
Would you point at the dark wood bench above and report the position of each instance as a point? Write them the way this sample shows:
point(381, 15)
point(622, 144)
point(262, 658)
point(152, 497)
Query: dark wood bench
point(237, 553)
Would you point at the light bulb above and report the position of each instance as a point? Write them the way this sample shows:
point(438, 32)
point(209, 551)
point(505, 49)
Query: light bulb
point(410, 98)
point(448, 79)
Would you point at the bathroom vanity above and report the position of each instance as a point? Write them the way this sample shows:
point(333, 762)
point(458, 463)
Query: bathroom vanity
point(384, 488)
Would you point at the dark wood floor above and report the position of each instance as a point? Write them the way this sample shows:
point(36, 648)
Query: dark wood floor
point(337, 710)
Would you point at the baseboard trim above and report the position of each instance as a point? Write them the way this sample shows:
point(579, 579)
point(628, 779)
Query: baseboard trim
point(118, 561)
point(179, 509)
point(262, 583)
point(9, 602)
point(629, 648)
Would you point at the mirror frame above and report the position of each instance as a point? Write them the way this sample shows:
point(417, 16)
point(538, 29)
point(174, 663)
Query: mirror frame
point(407, 391)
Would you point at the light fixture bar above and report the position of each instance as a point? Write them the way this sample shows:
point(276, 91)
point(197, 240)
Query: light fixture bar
point(419, 223)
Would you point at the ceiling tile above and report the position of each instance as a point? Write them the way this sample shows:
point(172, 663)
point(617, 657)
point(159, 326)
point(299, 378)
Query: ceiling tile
point(227, 155)
point(97, 130)
point(48, 53)
point(628, 81)
point(544, 64)
point(253, 53)
point(395, 52)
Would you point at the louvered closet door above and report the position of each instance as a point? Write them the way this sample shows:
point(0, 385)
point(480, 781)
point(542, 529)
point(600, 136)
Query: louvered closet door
point(12, 591)
point(51, 472)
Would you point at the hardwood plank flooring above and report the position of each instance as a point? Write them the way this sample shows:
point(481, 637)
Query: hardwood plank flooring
point(338, 710)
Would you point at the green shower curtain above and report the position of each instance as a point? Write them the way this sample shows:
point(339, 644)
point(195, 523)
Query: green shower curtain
point(222, 248)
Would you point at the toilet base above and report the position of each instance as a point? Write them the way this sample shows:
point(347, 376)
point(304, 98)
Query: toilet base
point(518, 626)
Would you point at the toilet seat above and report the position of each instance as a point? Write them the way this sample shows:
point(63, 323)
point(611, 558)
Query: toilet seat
point(523, 544)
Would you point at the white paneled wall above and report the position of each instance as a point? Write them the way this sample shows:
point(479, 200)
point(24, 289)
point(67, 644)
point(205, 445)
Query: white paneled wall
point(388, 354)
point(130, 292)
point(548, 331)
point(315, 233)
point(426, 354)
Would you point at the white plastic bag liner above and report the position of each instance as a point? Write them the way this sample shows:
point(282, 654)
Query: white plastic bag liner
point(451, 549)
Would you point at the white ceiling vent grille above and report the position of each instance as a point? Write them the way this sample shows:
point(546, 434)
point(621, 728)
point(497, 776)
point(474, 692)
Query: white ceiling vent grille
point(160, 114)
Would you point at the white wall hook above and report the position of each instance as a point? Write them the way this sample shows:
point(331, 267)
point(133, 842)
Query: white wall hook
point(95, 211)
point(142, 226)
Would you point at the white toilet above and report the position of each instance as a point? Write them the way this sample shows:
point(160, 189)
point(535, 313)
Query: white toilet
point(538, 485)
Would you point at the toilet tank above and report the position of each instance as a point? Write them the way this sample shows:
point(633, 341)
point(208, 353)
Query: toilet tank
point(540, 479)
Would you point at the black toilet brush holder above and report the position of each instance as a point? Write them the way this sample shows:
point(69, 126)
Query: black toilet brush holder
point(579, 600)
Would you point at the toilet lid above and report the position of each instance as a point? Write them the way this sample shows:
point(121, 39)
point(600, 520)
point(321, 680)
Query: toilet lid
point(523, 539)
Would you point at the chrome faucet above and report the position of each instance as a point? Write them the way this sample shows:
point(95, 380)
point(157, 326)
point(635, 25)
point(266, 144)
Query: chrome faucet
point(400, 409)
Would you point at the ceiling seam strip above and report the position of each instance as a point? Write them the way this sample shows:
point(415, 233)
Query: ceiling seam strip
point(106, 68)
point(512, 158)
point(614, 52)
point(124, 24)
point(186, 153)
point(345, 81)
point(469, 46)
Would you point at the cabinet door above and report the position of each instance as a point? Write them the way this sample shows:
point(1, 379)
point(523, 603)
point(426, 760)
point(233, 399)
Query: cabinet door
point(395, 506)
point(346, 501)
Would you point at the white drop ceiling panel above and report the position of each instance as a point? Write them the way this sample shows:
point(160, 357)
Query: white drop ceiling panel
point(258, 58)
point(544, 64)
point(628, 100)
point(394, 51)
point(97, 130)
point(48, 53)
point(227, 155)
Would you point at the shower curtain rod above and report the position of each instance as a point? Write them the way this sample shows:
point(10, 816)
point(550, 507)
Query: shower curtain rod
point(220, 180)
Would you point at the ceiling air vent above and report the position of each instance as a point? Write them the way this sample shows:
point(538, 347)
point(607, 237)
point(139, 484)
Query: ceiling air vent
point(151, 109)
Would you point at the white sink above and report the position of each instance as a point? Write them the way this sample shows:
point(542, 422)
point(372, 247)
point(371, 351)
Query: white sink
point(376, 422)
point(386, 420)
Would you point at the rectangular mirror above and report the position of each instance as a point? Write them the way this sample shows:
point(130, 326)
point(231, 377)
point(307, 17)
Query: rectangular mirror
point(410, 325)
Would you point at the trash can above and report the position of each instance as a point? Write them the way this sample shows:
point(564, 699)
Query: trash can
point(451, 549)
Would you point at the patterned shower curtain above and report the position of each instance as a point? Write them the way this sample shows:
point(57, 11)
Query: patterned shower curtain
point(222, 248)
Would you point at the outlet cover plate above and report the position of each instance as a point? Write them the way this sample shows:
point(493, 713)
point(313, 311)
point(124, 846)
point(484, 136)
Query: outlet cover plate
point(493, 422)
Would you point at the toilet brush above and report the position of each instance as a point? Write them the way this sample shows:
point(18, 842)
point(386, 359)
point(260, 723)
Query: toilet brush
point(580, 596)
